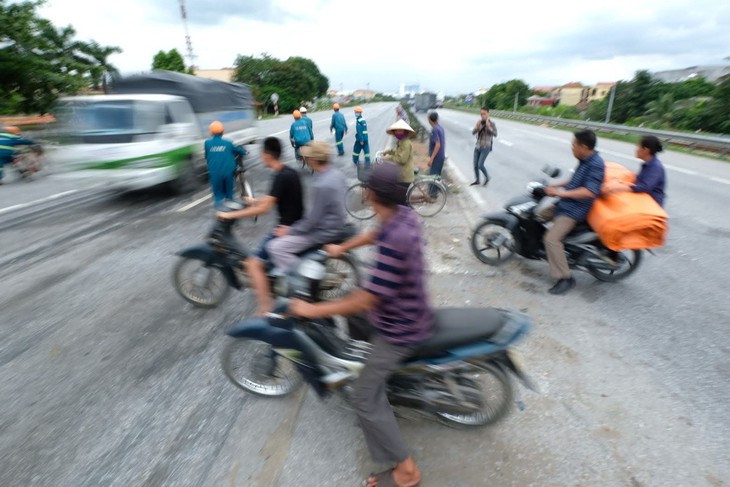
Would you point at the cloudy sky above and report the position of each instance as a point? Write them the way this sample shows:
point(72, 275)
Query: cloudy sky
point(455, 46)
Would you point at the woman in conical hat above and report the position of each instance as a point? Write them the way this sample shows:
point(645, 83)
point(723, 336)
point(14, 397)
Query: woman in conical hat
point(402, 154)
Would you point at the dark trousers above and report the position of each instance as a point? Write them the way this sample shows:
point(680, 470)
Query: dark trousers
point(480, 155)
point(370, 401)
point(436, 168)
point(356, 153)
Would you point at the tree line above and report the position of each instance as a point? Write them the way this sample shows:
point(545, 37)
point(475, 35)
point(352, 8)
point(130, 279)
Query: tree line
point(39, 62)
point(694, 104)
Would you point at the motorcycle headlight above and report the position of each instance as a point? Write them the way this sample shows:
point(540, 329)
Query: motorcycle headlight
point(305, 280)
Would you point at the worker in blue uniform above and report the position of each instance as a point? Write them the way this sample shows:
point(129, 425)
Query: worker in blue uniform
point(361, 139)
point(305, 117)
point(221, 157)
point(10, 139)
point(339, 127)
point(299, 133)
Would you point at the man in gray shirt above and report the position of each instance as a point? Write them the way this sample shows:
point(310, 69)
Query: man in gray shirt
point(326, 216)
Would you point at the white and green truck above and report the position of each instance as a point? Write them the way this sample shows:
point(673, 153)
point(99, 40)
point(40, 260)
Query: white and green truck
point(149, 131)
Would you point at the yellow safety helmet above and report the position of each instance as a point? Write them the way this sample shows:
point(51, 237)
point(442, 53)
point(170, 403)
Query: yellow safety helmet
point(297, 114)
point(358, 109)
point(216, 127)
point(336, 106)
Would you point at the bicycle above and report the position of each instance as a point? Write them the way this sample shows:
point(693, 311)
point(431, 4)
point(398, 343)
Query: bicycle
point(426, 195)
point(239, 176)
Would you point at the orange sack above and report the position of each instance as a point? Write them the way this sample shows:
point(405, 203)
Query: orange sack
point(627, 220)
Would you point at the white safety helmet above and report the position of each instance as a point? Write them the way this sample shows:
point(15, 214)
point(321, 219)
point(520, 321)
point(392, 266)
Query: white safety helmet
point(303, 109)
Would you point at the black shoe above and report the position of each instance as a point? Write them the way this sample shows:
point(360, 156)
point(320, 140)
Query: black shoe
point(475, 183)
point(562, 286)
point(485, 182)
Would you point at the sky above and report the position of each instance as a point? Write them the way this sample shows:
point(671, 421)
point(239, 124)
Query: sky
point(454, 47)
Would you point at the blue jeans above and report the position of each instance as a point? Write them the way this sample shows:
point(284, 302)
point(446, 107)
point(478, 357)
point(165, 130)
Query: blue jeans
point(436, 168)
point(480, 155)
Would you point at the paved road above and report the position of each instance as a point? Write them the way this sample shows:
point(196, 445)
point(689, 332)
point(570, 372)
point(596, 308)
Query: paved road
point(109, 378)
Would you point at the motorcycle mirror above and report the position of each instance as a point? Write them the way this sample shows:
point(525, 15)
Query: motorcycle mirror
point(551, 171)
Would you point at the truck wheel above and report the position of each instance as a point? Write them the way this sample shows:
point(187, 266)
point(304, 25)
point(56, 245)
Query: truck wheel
point(187, 180)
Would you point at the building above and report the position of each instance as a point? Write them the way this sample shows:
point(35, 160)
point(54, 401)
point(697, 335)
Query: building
point(710, 73)
point(540, 101)
point(363, 94)
point(572, 94)
point(223, 74)
point(600, 91)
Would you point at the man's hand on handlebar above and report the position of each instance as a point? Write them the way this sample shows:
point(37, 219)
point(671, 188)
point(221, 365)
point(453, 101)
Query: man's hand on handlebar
point(334, 250)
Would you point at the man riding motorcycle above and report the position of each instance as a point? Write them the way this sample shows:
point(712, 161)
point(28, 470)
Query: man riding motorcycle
point(10, 139)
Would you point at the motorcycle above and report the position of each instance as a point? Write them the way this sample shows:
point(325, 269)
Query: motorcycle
point(519, 230)
point(204, 274)
point(28, 161)
point(460, 376)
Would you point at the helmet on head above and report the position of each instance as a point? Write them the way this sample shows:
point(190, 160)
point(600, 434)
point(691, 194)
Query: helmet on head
point(303, 109)
point(336, 106)
point(11, 129)
point(216, 127)
point(297, 114)
point(358, 109)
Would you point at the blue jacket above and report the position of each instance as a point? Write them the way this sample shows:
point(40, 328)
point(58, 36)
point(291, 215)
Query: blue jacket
point(362, 129)
point(299, 133)
point(221, 155)
point(309, 124)
point(338, 122)
point(9, 143)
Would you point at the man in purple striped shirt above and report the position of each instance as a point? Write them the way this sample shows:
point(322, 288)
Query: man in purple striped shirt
point(398, 307)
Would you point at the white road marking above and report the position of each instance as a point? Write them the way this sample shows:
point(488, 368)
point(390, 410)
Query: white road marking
point(42, 200)
point(194, 203)
point(505, 142)
point(679, 169)
point(475, 196)
point(721, 180)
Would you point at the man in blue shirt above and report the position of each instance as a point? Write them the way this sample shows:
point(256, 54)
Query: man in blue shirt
point(220, 155)
point(436, 148)
point(576, 198)
point(339, 127)
point(307, 120)
point(299, 134)
point(361, 139)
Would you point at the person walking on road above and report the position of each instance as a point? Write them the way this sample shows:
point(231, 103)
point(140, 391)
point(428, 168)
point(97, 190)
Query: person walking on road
point(220, 154)
point(396, 299)
point(485, 130)
point(303, 111)
point(339, 127)
point(576, 199)
point(436, 148)
point(299, 134)
point(361, 139)
point(10, 139)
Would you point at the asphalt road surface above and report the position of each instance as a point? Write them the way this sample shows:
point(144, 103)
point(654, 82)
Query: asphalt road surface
point(110, 378)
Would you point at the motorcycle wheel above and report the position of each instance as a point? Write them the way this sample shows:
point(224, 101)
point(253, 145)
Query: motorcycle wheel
point(628, 261)
point(255, 367)
point(490, 389)
point(200, 285)
point(341, 277)
point(492, 243)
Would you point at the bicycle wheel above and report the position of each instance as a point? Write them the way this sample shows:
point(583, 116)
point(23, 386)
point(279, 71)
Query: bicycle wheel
point(244, 189)
point(356, 202)
point(426, 196)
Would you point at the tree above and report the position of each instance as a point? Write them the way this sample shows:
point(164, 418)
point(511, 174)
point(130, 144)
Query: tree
point(101, 69)
point(38, 62)
point(169, 61)
point(502, 96)
point(296, 80)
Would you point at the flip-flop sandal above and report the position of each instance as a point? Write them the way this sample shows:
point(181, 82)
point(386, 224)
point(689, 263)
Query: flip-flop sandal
point(384, 478)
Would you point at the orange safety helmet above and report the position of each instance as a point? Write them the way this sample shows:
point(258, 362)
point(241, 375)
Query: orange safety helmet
point(336, 106)
point(358, 109)
point(297, 114)
point(11, 129)
point(216, 127)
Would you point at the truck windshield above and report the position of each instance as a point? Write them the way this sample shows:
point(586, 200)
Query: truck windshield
point(108, 121)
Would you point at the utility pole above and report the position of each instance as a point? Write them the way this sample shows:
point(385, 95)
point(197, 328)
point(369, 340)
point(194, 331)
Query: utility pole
point(516, 98)
point(191, 56)
point(610, 103)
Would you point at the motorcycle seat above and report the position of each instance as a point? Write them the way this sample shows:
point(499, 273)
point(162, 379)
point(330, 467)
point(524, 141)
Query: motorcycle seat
point(347, 232)
point(460, 326)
